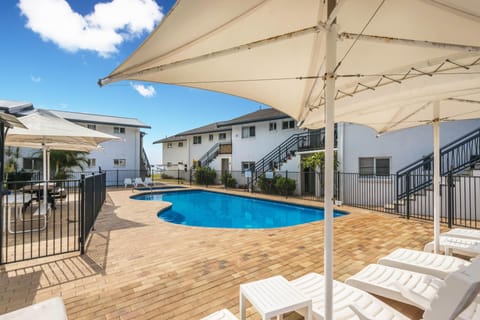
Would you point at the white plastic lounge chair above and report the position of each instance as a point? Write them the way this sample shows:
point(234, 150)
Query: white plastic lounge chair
point(138, 182)
point(409, 287)
point(127, 182)
point(223, 314)
point(148, 181)
point(462, 246)
point(52, 309)
point(437, 265)
point(463, 233)
point(344, 296)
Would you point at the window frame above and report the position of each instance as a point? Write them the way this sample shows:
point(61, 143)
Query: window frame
point(250, 165)
point(197, 139)
point(222, 136)
point(288, 124)
point(92, 162)
point(180, 144)
point(117, 163)
point(119, 130)
point(91, 126)
point(373, 169)
point(272, 126)
point(169, 145)
point(210, 137)
point(251, 132)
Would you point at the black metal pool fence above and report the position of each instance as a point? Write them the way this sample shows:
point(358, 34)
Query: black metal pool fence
point(34, 226)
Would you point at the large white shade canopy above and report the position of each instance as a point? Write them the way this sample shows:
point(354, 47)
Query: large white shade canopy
point(319, 62)
point(274, 51)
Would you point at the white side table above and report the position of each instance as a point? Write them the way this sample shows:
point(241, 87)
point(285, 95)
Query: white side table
point(273, 297)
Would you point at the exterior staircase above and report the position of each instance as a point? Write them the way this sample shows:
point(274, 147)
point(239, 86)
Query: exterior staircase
point(305, 141)
point(145, 163)
point(210, 155)
point(461, 156)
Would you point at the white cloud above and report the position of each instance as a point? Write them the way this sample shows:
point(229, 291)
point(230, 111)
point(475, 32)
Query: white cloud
point(35, 78)
point(102, 31)
point(145, 91)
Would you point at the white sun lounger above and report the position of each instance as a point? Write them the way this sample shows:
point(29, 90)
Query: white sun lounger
point(437, 265)
point(52, 309)
point(462, 246)
point(410, 287)
point(138, 182)
point(463, 233)
point(223, 314)
point(344, 297)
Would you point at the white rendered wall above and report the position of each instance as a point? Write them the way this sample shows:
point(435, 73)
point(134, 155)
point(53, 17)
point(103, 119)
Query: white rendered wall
point(199, 150)
point(175, 154)
point(255, 148)
point(402, 147)
point(128, 148)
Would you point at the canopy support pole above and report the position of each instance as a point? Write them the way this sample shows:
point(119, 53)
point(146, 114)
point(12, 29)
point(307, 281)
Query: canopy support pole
point(331, 62)
point(436, 176)
point(45, 178)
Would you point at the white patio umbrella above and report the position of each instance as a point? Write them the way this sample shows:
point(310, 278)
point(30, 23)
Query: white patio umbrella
point(47, 131)
point(303, 57)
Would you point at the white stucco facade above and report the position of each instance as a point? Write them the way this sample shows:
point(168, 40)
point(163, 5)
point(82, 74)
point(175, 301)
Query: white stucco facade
point(401, 147)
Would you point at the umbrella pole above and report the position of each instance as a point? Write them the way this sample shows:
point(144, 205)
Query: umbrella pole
point(331, 57)
point(436, 176)
point(45, 178)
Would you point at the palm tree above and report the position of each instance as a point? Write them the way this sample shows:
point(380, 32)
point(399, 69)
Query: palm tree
point(64, 161)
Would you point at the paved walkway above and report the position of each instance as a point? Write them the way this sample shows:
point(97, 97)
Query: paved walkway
point(139, 267)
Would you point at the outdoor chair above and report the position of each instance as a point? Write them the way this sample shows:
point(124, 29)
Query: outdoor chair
point(52, 309)
point(138, 182)
point(437, 265)
point(127, 182)
point(463, 233)
point(462, 246)
point(148, 181)
point(415, 288)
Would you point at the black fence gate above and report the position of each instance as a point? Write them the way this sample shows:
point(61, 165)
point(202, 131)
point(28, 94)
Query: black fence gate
point(34, 226)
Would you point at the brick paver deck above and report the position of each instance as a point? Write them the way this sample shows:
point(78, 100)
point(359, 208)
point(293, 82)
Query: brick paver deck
point(140, 267)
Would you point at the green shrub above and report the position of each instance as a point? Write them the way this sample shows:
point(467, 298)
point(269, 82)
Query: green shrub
point(205, 176)
point(228, 181)
point(285, 186)
point(267, 185)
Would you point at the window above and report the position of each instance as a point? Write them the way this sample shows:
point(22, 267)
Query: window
point(119, 162)
point(32, 163)
point(169, 145)
point(119, 130)
point(374, 166)
point(222, 136)
point(92, 126)
point(92, 162)
point(248, 166)
point(290, 124)
point(272, 126)
point(210, 137)
point(197, 139)
point(169, 164)
point(180, 144)
point(248, 132)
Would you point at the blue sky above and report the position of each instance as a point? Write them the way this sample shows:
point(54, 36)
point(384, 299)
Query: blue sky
point(54, 51)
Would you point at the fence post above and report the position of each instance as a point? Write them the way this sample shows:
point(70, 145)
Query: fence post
point(407, 187)
point(82, 214)
point(450, 199)
point(117, 178)
point(286, 174)
point(94, 202)
point(190, 173)
point(178, 176)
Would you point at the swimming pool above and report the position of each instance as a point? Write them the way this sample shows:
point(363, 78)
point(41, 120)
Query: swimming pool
point(219, 210)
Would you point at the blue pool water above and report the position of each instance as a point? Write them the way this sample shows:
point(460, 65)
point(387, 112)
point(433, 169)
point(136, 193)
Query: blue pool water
point(212, 209)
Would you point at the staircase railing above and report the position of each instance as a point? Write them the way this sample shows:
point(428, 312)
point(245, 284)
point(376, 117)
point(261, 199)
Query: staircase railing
point(145, 161)
point(209, 155)
point(454, 158)
point(309, 140)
